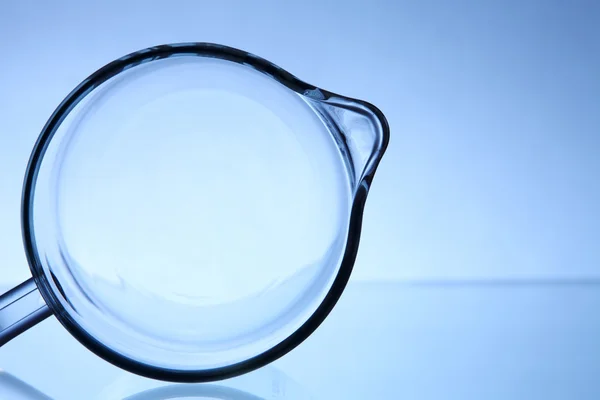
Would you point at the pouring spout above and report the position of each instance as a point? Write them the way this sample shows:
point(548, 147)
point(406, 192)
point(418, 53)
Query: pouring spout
point(361, 130)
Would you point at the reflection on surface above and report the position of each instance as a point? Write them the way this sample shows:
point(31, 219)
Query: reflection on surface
point(475, 341)
point(12, 388)
point(194, 391)
point(268, 383)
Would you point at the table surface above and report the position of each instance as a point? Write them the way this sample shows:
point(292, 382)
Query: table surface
point(462, 340)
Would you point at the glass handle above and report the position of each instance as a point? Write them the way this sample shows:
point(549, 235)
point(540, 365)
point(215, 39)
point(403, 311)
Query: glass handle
point(21, 308)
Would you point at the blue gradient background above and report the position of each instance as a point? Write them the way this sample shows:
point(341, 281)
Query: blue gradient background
point(491, 175)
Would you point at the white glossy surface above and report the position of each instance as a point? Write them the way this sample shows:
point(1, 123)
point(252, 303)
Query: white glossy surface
point(387, 341)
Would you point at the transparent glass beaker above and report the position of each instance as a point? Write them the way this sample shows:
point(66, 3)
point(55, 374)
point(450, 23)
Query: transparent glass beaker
point(192, 212)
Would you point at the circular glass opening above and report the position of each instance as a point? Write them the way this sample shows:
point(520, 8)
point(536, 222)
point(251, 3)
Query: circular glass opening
point(192, 212)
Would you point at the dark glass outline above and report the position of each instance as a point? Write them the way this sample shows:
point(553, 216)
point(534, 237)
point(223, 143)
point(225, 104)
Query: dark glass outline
point(265, 67)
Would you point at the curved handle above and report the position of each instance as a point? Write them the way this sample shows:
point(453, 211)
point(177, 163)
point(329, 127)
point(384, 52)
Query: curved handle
point(21, 308)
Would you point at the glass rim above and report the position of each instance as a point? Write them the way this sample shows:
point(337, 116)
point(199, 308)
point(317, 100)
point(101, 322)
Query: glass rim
point(209, 50)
